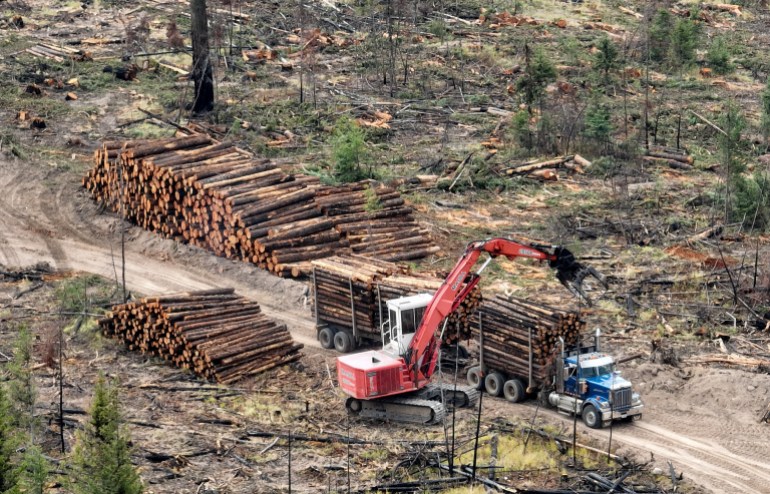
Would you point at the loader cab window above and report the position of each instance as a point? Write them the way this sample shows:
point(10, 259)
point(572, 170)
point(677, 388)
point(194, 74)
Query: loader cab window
point(410, 319)
point(392, 319)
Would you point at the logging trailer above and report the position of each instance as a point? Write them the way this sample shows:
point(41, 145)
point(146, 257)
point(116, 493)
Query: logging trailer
point(395, 383)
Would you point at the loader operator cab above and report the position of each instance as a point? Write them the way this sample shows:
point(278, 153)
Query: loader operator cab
point(404, 317)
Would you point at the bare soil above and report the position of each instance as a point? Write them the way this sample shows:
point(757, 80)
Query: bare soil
point(703, 420)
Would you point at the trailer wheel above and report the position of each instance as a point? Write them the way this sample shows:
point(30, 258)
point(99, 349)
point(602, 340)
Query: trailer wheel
point(474, 378)
point(326, 337)
point(591, 417)
point(343, 342)
point(494, 383)
point(513, 391)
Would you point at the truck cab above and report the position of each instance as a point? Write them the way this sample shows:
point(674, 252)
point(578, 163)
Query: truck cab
point(588, 384)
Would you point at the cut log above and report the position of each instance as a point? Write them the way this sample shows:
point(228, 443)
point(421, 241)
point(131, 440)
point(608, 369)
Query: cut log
point(525, 169)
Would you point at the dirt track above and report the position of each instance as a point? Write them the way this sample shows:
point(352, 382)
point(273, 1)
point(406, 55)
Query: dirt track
point(718, 442)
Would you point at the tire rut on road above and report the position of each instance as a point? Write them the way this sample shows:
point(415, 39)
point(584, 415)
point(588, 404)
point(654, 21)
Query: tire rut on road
point(706, 462)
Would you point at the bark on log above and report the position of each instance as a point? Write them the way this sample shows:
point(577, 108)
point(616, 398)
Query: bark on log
point(537, 166)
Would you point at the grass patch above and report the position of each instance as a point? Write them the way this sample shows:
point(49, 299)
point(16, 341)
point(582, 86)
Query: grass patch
point(75, 294)
point(477, 489)
point(511, 455)
point(13, 146)
point(146, 130)
point(265, 409)
point(375, 454)
point(12, 98)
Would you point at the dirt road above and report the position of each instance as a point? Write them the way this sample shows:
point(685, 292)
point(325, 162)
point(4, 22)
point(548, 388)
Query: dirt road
point(45, 216)
point(727, 459)
point(50, 218)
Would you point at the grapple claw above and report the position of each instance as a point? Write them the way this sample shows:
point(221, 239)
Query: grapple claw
point(571, 274)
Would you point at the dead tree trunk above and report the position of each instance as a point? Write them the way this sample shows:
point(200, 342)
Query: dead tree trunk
point(201, 74)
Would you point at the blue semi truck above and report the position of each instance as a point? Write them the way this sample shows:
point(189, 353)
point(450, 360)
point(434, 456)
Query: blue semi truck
point(583, 381)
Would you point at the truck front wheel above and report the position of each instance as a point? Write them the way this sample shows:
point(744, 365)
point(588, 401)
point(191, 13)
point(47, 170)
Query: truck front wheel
point(591, 417)
point(326, 337)
point(513, 391)
point(494, 383)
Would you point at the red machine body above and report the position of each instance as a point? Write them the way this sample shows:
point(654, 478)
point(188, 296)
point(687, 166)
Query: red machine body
point(376, 374)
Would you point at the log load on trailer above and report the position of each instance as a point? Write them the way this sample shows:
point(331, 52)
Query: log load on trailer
point(527, 348)
point(350, 300)
point(396, 383)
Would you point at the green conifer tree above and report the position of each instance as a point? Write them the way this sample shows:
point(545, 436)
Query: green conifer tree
point(765, 118)
point(8, 441)
point(539, 72)
point(21, 386)
point(598, 124)
point(607, 58)
point(33, 473)
point(102, 460)
point(660, 34)
point(348, 150)
point(684, 40)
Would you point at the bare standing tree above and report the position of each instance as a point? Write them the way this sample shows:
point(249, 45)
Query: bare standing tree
point(201, 73)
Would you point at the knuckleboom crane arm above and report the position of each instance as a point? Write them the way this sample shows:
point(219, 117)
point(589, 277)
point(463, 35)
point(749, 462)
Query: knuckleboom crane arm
point(422, 353)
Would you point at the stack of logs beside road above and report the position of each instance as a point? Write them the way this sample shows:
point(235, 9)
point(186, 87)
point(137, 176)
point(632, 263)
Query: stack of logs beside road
point(219, 197)
point(353, 290)
point(508, 323)
point(215, 333)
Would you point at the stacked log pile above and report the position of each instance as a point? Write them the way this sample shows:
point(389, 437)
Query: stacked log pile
point(58, 53)
point(355, 290)
point(507, 323)
point(216, 334)
point(376, 221)
point(218, 197)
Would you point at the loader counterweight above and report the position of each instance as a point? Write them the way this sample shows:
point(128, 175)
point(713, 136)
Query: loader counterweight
point(372, 374)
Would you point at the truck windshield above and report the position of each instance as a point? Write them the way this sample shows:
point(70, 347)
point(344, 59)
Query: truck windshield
point(598, 371)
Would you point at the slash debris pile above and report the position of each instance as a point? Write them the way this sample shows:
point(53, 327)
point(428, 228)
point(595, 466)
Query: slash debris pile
point(219, 197)
point(215, 333)
point(350, 294)
point(512, 326)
